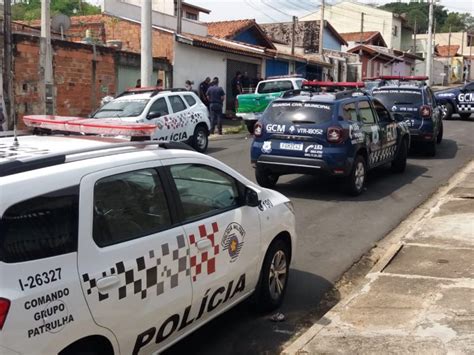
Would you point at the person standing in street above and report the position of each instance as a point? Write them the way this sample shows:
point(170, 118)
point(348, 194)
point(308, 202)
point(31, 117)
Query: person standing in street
point(216, 95)
point(203, 87)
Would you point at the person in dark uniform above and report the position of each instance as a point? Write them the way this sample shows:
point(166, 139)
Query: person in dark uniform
point(236, 85)
point(203, 87)
point(216, 95)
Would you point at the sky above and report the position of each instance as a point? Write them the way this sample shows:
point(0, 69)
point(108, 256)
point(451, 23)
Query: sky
point(282, 10)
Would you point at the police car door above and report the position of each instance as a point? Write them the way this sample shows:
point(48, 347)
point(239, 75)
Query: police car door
point(466, 99)
point(179, 119)
point(223, 234)
point(159, 114)
point(133, 259)
point(372, 132)
point(388, 132)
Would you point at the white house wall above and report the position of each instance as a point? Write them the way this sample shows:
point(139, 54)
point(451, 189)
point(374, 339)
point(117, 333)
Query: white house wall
point(346, 17)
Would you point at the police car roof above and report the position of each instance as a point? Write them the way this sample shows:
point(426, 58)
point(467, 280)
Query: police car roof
point(35, 152)
point(399, 87)
point(314, 97)
point(135, 97)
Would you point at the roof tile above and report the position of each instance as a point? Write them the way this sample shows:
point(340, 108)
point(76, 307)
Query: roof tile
point(355, 36)
point(228, 29)
point(447, 51)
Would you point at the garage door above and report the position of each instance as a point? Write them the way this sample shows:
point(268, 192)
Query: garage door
point(234, 66)
point(276, 67)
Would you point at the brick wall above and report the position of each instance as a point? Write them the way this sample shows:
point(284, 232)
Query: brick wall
point(76, 93)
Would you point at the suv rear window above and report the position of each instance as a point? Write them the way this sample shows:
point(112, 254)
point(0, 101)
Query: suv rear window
point(274, 86)
point(398, 97)
point(121, 108)
point(40, 227)
point(298, 112)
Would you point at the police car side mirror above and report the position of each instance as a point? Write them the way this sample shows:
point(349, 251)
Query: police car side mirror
point(154, 114)
point(251, 198)
point(398, 117)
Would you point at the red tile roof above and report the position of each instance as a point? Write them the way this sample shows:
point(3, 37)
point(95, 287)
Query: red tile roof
point(355, 36)
point(228, 29)
point(447, 51)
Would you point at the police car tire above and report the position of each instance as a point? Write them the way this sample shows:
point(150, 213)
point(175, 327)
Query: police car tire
point(265, 178)
point(431, 148)
point(350, 183)
point(439, 137)
point(465, 115)
point(250, 126)
point(449, 111)
point(264, 301)
point(400, 162)
point(200, 132)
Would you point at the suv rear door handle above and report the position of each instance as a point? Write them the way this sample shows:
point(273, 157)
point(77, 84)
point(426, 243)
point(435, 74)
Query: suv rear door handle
point(108, 282)
point(204, 244)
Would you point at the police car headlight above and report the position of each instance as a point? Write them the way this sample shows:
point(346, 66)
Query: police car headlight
point(290, 206)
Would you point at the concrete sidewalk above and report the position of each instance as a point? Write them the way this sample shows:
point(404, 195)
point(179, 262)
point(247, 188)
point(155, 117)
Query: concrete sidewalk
point(419, 297)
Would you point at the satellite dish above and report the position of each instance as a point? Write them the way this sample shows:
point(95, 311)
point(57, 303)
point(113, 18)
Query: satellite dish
point(60, 23)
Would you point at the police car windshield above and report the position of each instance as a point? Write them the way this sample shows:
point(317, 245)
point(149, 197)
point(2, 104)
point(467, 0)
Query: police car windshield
point(398, 97)
point(274, 86)
point(121, 108)
point(299, 112)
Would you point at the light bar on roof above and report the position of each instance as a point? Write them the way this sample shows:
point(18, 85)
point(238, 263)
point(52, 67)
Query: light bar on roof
point(342, 84)
point(402, 78)
point(102, 126)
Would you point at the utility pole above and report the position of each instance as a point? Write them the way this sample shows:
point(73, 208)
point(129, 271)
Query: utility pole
point(146, 46)
point(414, 38)
point(361, 27)
point(449, 55)
point(8, 65)
point(470, 55)
point(179, 16)
point(321, 29)
point(429, 55)
point(46, 60)
point(293, 35)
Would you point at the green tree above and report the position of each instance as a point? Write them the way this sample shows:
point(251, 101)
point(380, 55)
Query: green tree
point(454, 23)
point(31, 10)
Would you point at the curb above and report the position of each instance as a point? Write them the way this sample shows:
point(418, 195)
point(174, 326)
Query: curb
point(223, 137)
point(386, 248)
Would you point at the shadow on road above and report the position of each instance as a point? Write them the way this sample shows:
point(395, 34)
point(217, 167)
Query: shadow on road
point(446, 150)
point(257, 331)
point(381, 182)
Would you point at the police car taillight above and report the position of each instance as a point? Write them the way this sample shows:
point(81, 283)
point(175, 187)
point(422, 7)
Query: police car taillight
point(257, 129)
point(425, 111)
point(335, 134)
point(4, 307)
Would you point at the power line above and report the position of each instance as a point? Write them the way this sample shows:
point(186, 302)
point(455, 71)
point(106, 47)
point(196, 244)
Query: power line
point(260, 11)
point(265, 2)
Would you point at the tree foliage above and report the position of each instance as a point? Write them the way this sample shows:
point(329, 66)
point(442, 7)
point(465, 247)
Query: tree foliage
point(420, 11)
point(28, 10)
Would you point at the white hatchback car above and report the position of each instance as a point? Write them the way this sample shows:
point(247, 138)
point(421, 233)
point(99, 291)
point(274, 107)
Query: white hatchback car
point(112, 247)
point(178, 115)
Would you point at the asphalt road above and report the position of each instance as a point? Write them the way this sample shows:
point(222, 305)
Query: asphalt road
point(334, 231)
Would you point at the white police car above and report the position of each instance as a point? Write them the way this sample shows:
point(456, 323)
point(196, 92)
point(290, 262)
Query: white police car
point(127, 247)
point(173, 115)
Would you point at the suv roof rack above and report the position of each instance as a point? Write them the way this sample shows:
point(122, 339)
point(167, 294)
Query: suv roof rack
point(154, 90)
point(284, 76)
point(28, 164)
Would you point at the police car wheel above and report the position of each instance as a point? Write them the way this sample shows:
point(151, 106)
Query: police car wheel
point(439, 137)
point(400, 162)
point(265, 178)
point(447, 111)
point(431, 148)
point(250, 126)
point(355, 182)
point(465, 115)
point(273, 280)
point(200, 139)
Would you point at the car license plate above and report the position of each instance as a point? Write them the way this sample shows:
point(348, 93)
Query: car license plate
point(291, 146)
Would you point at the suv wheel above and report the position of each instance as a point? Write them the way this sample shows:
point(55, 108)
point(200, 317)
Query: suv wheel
point(200, 139)
point(465, 115)
point(447, 111)
point(355, 182)
point(273, 280)
point(431, 148)
point(400, 162)
point(250, 126)
point(265, 178)
point(439, 137)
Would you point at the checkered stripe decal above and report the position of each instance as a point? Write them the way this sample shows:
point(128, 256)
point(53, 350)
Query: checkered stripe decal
point(206, 259)
point(382, 154)
point(466, 108)
point(160, 269)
